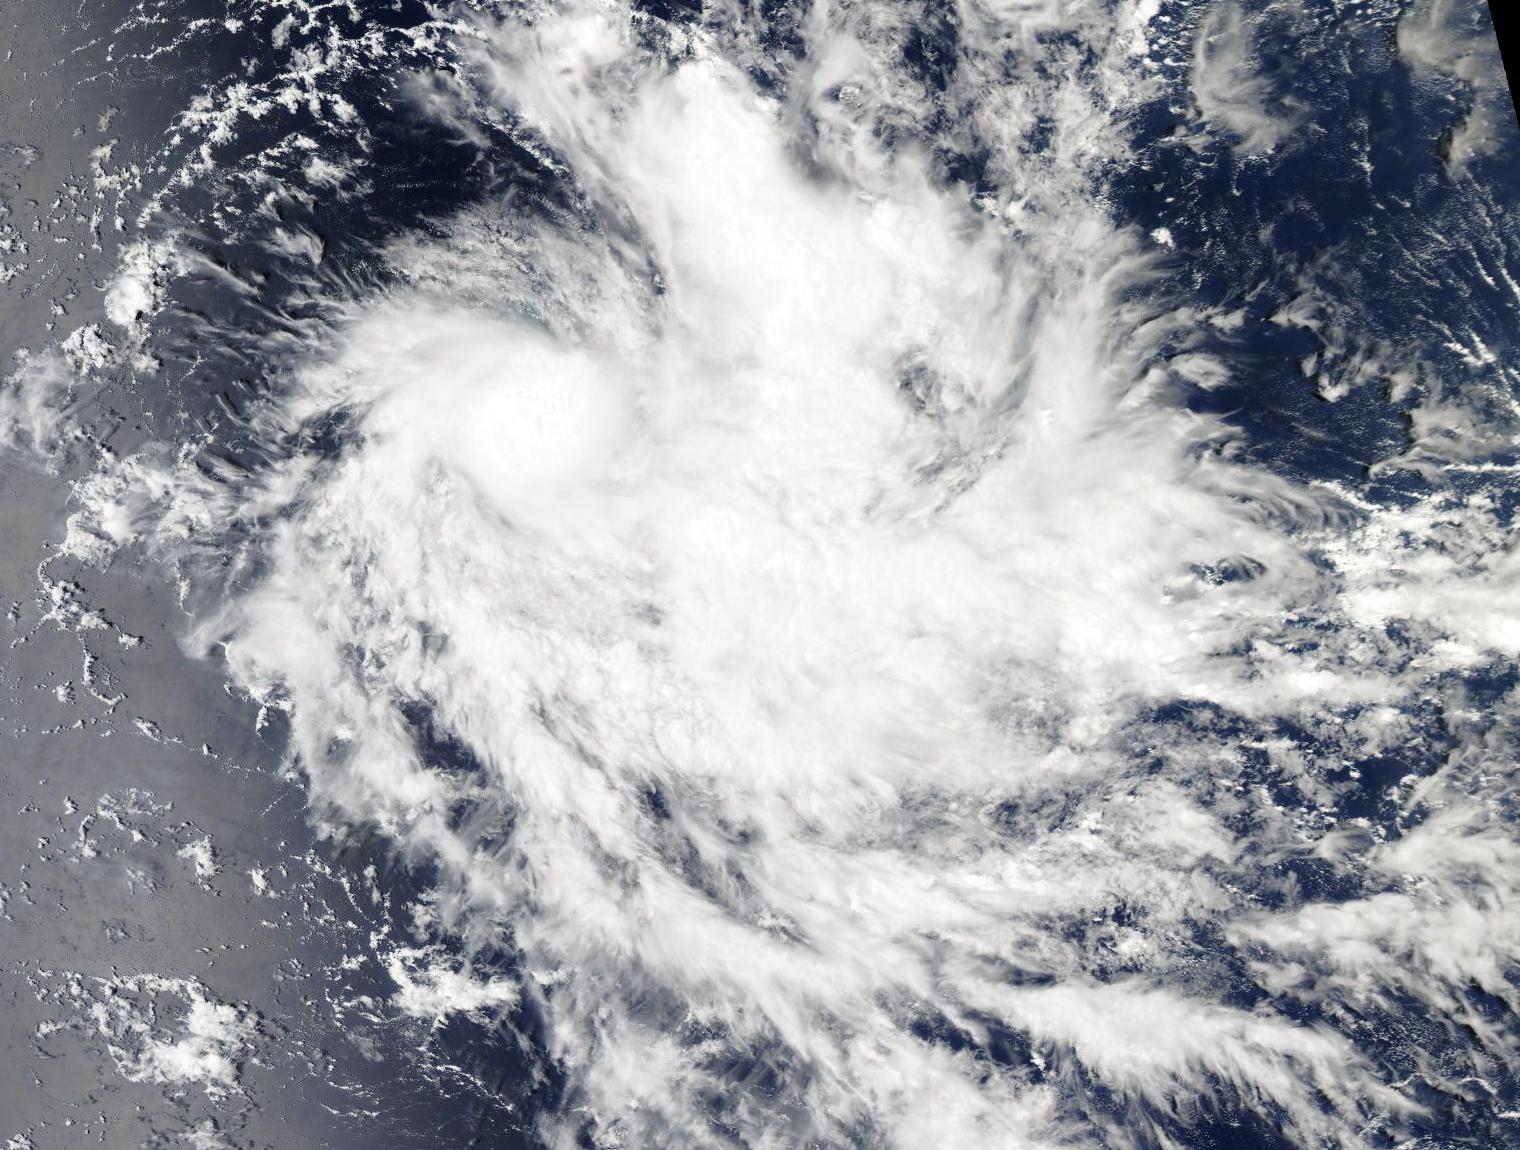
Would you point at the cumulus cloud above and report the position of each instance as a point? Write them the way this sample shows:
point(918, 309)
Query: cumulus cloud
point(158, 1029)
point(34, 399)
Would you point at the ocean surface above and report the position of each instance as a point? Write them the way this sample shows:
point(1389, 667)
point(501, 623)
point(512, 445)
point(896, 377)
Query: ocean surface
point(759, 575)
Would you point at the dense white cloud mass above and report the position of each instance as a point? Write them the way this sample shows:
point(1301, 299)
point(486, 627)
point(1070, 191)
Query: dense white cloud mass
point(767, 586)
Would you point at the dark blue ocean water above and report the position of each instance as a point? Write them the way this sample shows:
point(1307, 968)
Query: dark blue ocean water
point(1361, 206)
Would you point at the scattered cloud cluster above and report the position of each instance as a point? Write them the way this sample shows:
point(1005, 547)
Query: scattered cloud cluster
point(1231, 89)
point(1456, 41)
